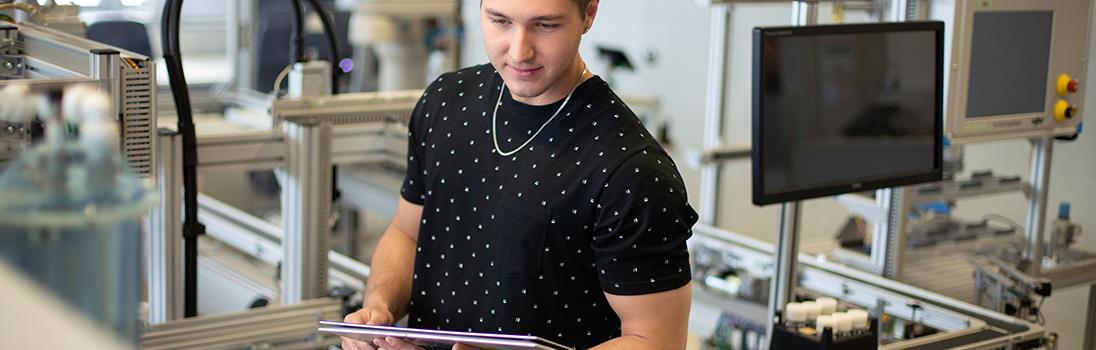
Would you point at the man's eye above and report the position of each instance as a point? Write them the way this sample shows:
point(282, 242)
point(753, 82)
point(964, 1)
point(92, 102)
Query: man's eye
point(548, 25)
point(500, 21)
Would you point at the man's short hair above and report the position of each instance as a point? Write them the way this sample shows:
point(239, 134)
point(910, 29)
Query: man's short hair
point(582, 5)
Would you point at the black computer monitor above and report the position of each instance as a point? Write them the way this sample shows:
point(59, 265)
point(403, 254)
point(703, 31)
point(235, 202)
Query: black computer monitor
point(846, 108)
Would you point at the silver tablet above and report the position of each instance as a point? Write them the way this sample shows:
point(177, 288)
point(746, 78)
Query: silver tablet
point(432, 338)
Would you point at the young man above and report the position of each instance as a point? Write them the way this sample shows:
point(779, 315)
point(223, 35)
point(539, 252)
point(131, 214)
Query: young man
point(535, 202)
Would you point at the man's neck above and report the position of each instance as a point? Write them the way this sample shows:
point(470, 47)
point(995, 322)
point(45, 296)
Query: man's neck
point(575, 76)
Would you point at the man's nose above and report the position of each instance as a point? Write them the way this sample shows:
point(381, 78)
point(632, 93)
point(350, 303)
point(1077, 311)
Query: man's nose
point(521, 46)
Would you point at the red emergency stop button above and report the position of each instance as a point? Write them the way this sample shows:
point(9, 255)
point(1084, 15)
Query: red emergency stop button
point(1065, 85)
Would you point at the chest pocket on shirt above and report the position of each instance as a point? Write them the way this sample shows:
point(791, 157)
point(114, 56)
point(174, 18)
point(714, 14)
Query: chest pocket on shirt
point(518, 236)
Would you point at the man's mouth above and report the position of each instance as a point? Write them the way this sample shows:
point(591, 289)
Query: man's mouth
point(525, 72)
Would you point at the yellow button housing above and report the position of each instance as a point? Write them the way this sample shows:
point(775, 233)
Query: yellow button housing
point(1063, 84)
point(1062, 111)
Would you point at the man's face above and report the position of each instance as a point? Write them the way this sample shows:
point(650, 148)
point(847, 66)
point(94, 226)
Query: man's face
point(533, 44)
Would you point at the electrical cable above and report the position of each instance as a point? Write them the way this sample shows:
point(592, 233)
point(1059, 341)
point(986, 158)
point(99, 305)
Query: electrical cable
point(1006, 220)
point(28, 8)
point(192, 228)
point(298, 33)
point(278, 81)
point(332, 42)
point(297, 40)
point(177, 81)
point(1039, 313)
point(1080, 128)
point(336, 73)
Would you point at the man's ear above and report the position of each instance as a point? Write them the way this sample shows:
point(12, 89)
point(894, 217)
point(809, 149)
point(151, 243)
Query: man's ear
point(591, 13)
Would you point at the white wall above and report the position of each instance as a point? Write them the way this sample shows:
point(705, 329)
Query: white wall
point(677, 32)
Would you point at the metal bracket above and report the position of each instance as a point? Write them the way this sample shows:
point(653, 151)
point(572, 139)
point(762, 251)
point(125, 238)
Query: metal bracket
point(13, 67)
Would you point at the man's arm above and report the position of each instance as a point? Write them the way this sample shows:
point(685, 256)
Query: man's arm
point(389, 284)
point(651, 321)
point(388, 290)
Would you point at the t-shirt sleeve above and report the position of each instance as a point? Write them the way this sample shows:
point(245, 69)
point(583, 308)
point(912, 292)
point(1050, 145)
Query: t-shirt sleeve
point(642, 225)
point(414, 181)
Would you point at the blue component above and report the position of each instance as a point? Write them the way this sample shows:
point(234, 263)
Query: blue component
point(939, 207)
point(1063, 210)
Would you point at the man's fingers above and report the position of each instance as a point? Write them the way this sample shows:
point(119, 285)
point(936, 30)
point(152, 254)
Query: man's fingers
point(390, 343)
point(370, 316)
point(351, 344)
point(354, 317)
point(459, 346)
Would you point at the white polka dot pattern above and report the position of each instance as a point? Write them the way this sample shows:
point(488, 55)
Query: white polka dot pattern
point(529, 243)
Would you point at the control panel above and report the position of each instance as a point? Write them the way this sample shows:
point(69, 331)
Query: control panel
point(1017, 69)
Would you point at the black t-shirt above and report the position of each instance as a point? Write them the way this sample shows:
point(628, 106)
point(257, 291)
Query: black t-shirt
point(527, 244)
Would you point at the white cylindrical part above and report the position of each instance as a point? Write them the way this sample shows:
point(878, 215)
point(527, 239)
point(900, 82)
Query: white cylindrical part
point(72, 102)
point(823, 322)
point(94, 106)
point(812, 309)
point(98, 131)
point(829, 305)
point(18, 106)
point(402, 66)
point(794, 312)
point(403, 59)
point(859, 318)
point(842, 323)
point(55, 132)
point(368, 29)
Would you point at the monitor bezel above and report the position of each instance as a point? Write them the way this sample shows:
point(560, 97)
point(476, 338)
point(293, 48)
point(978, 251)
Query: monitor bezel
point(761, 197)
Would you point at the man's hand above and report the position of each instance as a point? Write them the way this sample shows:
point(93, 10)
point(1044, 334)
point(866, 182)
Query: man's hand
point(391, 343)
point(380, 317)
point(366, 315)
point(371, 316)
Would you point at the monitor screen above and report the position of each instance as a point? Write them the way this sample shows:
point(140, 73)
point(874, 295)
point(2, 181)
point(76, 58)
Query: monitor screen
point(846, 108)
point(1009, 59)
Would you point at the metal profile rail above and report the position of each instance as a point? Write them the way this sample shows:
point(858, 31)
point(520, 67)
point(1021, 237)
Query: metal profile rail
point(262, 240)
point(272, 327)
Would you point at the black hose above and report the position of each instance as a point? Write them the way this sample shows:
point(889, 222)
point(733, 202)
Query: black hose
point(332, 41)
point(298, 33)
point(336, 72)
point(169, 34)
point(192, 228)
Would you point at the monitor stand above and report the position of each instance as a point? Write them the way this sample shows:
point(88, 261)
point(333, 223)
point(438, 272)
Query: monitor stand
point(787, 251)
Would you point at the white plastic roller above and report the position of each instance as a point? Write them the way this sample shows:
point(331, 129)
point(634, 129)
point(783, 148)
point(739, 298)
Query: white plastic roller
point(17, 106)
point(823, 322)
point(91, 109)
point(812, 308)
point(795, 312)
point(829, 305)
point(859, 318)
point(842, 323)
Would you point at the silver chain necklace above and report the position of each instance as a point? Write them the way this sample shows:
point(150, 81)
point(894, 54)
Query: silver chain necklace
point(495, 114)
